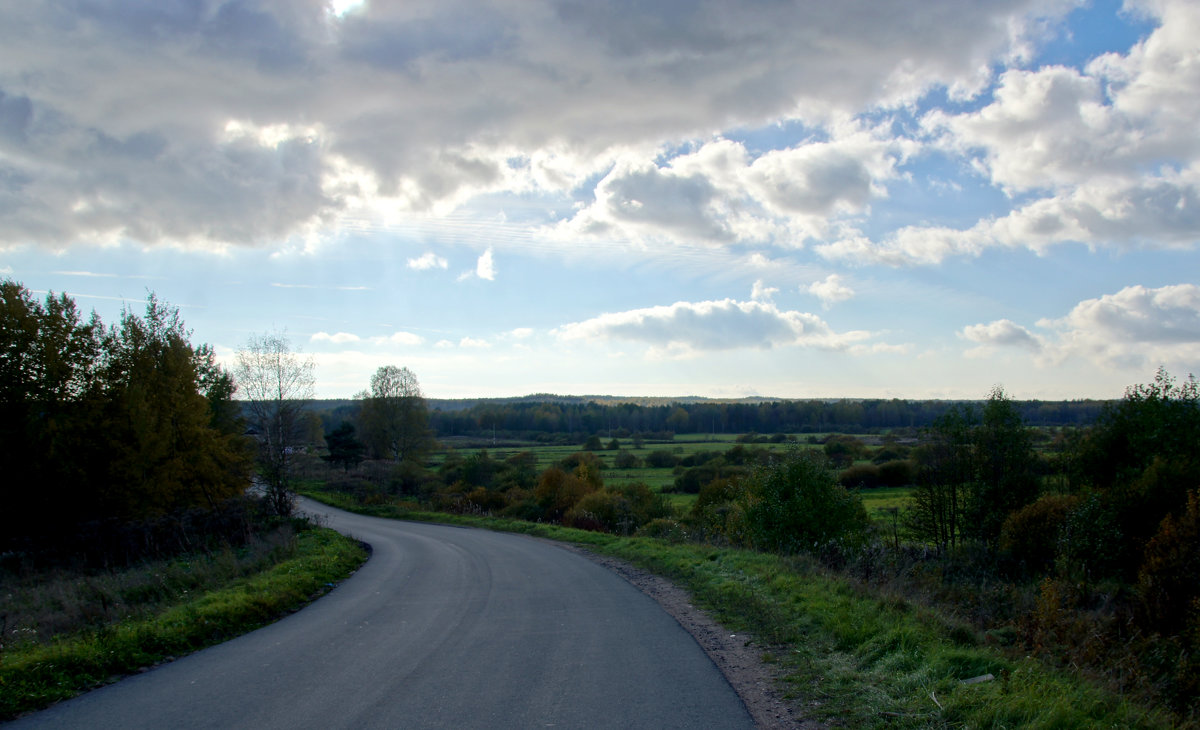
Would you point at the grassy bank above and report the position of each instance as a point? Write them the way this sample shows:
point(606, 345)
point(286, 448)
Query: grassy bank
point(38, 671)
point(855, 658)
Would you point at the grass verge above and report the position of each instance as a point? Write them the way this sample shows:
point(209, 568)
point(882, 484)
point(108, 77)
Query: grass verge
point(37, 675)
point(854, 658)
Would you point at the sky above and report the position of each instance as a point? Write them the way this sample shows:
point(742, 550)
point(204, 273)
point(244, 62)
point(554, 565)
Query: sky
point(861, 199)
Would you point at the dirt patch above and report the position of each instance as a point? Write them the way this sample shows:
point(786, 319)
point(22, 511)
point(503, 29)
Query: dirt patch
point(738, 656)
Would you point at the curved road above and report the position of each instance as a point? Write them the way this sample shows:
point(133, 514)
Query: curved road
point(443, 627)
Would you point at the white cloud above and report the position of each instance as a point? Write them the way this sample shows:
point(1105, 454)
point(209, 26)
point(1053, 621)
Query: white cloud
point(399, 338)
point(831, 290)
point(472, 343)
point(1111, 150)
point(760, 292)
point(1000, 333)
point(338, 338)
point(1137, 327)
point(428, 261)
point(717, 194)
point(521, 333)
point(90, 274)
point(687, 328)
point(485, 267)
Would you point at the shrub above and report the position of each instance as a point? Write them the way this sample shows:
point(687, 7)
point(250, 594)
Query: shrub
point(1030, 535)
point(795, 504)
point(626, 460)
point(860, 476)
point(661, 459)
point(1091, 544)
point(1167, 580)
point(621, 510)
point(897, 473)
point(557, 492)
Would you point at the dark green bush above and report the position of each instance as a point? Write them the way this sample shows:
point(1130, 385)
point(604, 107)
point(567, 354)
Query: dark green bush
point(661, 459)
point(796, 505)
point(860, 476)
point(1030, 535)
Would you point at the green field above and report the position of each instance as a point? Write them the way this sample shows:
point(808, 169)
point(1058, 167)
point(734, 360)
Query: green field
point(877, 501)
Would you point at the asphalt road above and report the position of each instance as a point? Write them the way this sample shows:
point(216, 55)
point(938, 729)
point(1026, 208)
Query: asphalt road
point(444, 627)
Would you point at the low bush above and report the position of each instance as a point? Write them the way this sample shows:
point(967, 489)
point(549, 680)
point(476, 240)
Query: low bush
point(796, 505)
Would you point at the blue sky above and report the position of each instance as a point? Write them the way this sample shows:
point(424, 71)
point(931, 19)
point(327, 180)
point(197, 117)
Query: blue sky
point(917, 199)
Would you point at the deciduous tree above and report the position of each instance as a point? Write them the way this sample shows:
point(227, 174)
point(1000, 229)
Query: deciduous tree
point(394, 419)
point(276, 384)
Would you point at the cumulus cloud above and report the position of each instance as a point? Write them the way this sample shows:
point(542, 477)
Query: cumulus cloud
point(1108, 154)
point(399, 338)
point(428, 261)
point(688, 328)
point(1135, 327)
point(207, 124)
point(720, 194)
point(831, 290)
point(760, 292)
point(1000, 333)
point(338, 338)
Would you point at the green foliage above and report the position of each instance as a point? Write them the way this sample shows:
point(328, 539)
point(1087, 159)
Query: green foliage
point(860, 476)
point(661, 459)
point(1141, 460)
point(393, 416)
point(1004, 478)
point(557, 492)
point(1156, 420)
point(620, 510)
point(943, 470)
point(975, 469)
point(1168, 579)
point(1030, 536)
point(344, 448)
point(796, 505)
point(108, 424)
point(843, 451)
point(626, 460)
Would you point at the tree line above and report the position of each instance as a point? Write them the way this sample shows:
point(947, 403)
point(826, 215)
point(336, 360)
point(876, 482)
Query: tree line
point(549, 418)
point(115, 423)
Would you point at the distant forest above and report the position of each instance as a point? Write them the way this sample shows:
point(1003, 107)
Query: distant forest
point(542, 416)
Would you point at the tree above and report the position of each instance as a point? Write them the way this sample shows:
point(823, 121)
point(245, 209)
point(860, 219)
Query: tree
point(168, 441)
point(109, 425)
point(944, 468)
point(276, 384)
point(394, 419)
point(795, 504)
point(344, 448)
point(49, 360)
point(1005, 478)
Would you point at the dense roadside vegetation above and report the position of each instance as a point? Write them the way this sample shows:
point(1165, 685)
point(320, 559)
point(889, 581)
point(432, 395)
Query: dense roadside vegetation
point(128, 532)
point(1066, 552)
